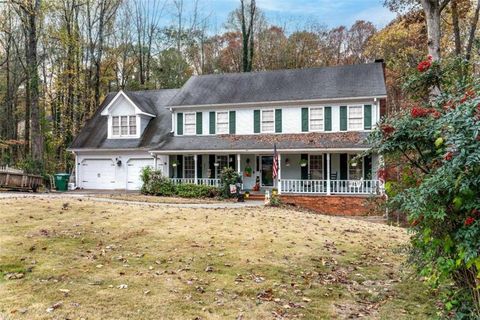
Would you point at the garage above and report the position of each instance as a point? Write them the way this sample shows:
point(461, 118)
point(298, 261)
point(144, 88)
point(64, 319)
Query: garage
point(134, 171)
point(98, 174)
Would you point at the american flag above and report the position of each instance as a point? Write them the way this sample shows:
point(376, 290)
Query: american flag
point(275, 162)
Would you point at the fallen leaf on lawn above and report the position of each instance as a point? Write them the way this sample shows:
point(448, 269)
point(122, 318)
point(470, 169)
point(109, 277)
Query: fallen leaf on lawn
point(54, 306)
point(122, 286)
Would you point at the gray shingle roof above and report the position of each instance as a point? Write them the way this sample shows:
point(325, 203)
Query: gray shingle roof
point(314, 140)
point(359, 80)
point(94, 134)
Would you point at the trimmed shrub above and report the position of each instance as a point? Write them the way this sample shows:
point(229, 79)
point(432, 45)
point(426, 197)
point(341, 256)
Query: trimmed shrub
point(195, 191)
point(228, 176)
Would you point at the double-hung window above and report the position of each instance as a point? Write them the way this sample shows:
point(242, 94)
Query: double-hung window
point(124, 126)
point(268, 121)
point(316, 119)
point(316, 167)
point(190, 123)
point(355, 117)
point(222, 122)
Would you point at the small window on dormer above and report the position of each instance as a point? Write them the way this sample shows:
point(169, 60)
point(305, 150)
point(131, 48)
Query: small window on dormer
point(132, 123)
point(124, 126)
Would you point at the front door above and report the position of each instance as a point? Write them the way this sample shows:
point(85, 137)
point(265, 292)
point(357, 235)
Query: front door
point(267, 171)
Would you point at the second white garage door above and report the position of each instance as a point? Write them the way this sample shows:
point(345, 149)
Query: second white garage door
point(98, 174)
point(134, 171)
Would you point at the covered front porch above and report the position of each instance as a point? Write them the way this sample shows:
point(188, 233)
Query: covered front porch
point(299, 172)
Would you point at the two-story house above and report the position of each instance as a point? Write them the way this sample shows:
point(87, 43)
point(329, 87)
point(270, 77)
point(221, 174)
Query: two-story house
point(318, 118)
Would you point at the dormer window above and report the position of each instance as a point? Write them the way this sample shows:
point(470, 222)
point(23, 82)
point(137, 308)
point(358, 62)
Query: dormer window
point(124, 126)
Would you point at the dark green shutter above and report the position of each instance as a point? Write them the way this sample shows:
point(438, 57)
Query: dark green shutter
point(343, 166)
point(343, 118)
point(212, 122)
point(325, 166)
point(367, 117)
point(199, 166)
point(328, 118)
point(304, 119)
point(199, 123)
point(179, 166)
point(278, 120)
point(232, 122)
point(179, 123)
point(211, 165)
point(256, 121)
point(367, 174)
point(304, 170)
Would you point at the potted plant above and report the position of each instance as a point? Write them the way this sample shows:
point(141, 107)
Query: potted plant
point(216, 164)
point(303, 162)
point(247, 194)
point(174, 163)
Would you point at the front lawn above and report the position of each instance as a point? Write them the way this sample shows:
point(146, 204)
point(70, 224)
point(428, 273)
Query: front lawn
point(94, 260)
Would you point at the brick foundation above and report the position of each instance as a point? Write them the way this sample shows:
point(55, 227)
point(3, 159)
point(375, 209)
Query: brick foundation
point(340, 205)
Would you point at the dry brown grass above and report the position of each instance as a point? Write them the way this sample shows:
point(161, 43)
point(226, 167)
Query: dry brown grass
point(153, 199)
point(259, 263)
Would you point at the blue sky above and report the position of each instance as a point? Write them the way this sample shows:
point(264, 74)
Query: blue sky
point(329, 12)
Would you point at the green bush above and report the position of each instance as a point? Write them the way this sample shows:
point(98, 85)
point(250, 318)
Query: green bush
point(438, 144)
point(154, 183)
point(195, 191)
point(228, 176)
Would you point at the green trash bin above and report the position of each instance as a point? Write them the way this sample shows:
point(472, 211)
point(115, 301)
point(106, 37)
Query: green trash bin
point(61, 181)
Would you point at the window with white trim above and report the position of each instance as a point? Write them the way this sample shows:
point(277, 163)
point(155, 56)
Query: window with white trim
point(268, 121)
point(190, 123)
point(222, 122)
point(316, 119)
point(355, 168)
point(188, 167)
point(316, 167)
point(355, 117)
point(124, 126)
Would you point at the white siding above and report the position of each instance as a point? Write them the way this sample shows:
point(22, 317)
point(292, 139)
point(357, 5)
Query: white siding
point(122, 107)
point(244, 121)
point(291, 120)
point(291, 116)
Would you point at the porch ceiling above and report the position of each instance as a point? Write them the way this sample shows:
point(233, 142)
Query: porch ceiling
point(258, 142)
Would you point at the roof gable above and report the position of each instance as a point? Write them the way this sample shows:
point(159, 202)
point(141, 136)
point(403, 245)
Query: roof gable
point(140, 107)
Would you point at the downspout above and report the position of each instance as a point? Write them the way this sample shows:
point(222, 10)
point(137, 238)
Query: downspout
point(173, 120)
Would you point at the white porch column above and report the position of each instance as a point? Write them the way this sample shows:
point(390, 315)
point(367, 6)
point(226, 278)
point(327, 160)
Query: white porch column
point(195, 165)
point(279, 176)
point(238, 163)
point(155, 164)
point(328, 174)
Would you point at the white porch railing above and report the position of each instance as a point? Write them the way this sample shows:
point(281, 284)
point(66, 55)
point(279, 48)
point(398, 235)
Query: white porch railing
point(336, 186)
point(209, 182)
point(303, 186)
point(203, 181)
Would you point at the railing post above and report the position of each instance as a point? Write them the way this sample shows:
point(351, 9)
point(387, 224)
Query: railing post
point(195, 165)
point(328, 174)
point(279, 175)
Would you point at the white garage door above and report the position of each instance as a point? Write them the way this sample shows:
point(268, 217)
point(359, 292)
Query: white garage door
point(98, 174)
point(134, 171)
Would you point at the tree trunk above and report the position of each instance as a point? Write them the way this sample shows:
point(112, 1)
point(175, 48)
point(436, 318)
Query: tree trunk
point(456, 28)
point(473, 29)
point(37, 136)
point(432, 17)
